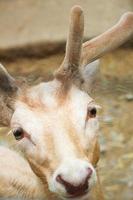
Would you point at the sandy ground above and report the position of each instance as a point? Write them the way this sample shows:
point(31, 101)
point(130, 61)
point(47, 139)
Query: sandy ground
point(115, 95)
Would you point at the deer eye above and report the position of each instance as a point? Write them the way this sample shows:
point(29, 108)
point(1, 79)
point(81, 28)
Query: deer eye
point(91, 112)
point(18, 133)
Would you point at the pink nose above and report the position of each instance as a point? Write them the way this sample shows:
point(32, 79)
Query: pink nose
point(75, 190)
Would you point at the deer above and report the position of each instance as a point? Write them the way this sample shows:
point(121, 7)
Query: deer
point(55, 123)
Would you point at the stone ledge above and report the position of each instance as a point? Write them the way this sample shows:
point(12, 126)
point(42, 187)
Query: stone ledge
point(40, 27)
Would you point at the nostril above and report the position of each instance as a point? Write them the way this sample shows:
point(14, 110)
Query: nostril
point(72, 189)
point(59, 179)
point(89, 170)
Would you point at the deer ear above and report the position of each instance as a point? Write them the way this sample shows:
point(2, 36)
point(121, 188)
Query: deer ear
point(7, 82)
point(8, 91)
point(91, 74)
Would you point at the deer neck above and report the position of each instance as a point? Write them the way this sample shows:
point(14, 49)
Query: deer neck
point(16, 177)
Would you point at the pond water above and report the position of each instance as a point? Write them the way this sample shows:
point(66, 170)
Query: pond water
point(115, 95)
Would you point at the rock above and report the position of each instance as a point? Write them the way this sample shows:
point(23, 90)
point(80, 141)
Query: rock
point(40, 27)
point(117, 137)
point(103, 144)
point(107, 119)
point(129, 97)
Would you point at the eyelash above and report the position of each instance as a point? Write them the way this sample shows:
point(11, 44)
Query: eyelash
point(19, 134)
point(91, 112)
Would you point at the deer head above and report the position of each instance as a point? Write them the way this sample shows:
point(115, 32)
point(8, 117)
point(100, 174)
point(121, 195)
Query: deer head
point(55, 122)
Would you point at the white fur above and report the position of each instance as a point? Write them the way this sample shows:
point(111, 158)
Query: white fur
point(15, 169)
point(38, 124)
point(73, 171)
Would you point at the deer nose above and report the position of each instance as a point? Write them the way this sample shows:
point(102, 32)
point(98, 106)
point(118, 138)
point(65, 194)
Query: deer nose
point(79, 189)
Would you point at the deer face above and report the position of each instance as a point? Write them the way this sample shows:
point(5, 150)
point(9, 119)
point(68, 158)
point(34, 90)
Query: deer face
point(55, 123)
point(57, 131)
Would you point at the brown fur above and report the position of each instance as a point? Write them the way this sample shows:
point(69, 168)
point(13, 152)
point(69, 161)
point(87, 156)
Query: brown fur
point(32, 103)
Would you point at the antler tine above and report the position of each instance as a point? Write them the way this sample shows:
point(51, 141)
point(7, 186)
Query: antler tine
point(109, 40)
point(74, 44)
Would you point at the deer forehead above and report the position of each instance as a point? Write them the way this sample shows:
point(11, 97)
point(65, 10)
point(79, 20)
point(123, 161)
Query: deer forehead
point(44, 106)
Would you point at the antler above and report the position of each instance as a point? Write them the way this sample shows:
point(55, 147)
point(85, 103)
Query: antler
point(109, 40)
point(73, 46)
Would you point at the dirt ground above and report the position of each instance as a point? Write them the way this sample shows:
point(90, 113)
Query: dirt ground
point(115, 95)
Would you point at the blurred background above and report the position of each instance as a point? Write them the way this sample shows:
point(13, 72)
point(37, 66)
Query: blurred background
point(32, 44)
